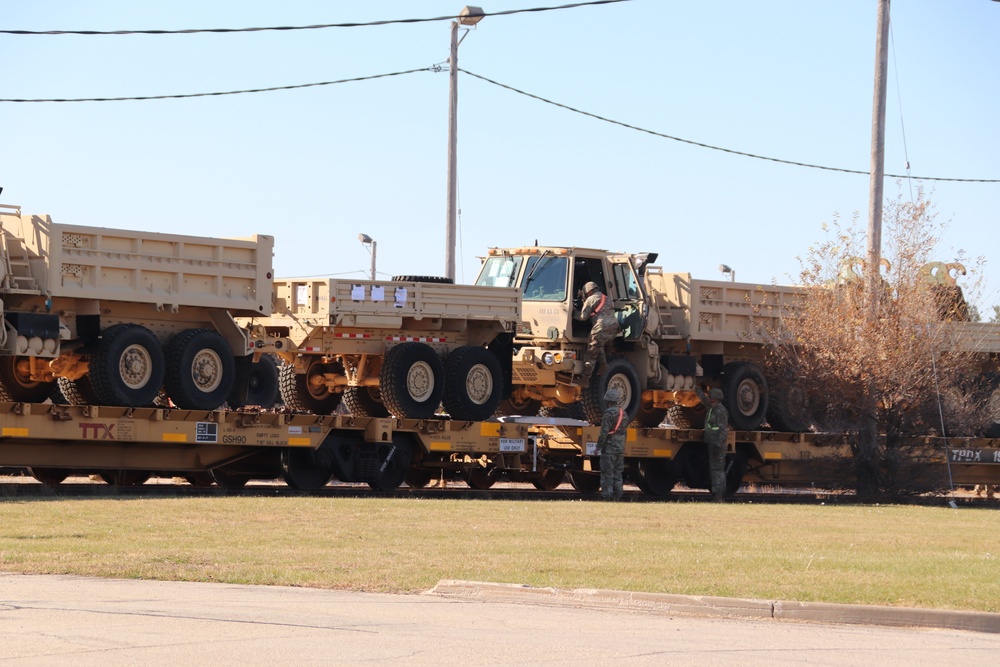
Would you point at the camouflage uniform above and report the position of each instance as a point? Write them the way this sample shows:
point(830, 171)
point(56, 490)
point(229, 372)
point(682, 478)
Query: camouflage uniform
point(599, 309)
point(611, 446)
point(716, 429)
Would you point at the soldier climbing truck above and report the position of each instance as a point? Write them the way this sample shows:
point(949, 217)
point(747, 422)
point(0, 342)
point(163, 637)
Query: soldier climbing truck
point(403, 347)
point(115, 316)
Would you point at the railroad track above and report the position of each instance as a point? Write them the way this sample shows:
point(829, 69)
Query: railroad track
point(20, 487)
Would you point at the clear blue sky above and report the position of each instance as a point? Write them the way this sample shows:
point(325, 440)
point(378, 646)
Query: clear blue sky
point(314, 167)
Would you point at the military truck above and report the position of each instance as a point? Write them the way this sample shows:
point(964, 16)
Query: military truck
point(403, 347)
point(677, 332)
point(120, 317)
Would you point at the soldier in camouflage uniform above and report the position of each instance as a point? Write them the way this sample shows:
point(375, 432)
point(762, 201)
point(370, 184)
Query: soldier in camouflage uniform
point(611, 446)
point(716, 429)
point(599, 309)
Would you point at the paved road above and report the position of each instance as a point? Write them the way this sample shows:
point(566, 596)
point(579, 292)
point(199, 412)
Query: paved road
point(65, 620)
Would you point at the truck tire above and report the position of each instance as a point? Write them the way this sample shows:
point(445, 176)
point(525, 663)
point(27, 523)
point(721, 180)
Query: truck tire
point(412, 381)
point(298, 395)
point(621, 374)
point(746, 395)
point(365, 402)
point(684, 417)
point(76, 392)
point(200, 370)
point(511, 406)
point(571, 411)
point(473, 384)
point(21, 388)
point(437, 280)
point(128, 367)
point(262, 385)
point(788, 408)
point(650, 417)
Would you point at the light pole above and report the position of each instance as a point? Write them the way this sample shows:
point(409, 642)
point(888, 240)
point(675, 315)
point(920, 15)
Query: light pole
point(726, 269)
point(468, 16)
point(367, 240)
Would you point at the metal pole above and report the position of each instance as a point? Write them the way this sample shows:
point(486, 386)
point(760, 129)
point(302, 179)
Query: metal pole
point(449, 247)
point(877, 174)
point(374, 246)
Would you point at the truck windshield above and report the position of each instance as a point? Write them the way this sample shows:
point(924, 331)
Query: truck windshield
point(499, 271)
point(545, 278)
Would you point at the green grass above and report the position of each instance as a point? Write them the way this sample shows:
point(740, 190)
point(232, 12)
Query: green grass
point(884, 555)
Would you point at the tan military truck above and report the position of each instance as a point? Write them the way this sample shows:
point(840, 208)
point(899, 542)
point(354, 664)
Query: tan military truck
point(117, 315)
point(402, 347)
point(676, 331)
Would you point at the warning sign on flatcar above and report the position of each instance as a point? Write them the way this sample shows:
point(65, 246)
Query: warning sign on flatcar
point(511, 444)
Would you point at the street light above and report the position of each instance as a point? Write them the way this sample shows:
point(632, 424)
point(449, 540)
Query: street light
point(367, 240)
point(726, 269)
point(468, 16)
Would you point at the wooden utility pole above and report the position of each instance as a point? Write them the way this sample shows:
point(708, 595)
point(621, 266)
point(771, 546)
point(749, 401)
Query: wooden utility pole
point(877, 174)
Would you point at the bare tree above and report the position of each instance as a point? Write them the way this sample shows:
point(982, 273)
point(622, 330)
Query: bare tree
point(889, 378)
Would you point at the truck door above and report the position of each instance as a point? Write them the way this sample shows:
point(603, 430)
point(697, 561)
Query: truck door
point(630, 302)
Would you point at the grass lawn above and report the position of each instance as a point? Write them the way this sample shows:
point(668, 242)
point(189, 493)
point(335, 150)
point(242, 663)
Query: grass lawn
point(884, 555)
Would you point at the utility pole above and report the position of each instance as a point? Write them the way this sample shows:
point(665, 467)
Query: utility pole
point(468, 16)
point(449, 237)
point(877, 172)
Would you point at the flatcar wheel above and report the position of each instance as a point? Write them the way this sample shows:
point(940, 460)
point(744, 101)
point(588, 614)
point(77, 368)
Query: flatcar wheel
point(480, 478)
point(50, 476)
point(655, 477)
point(231, 481)
point(303, 470)
point(587, 483)
point(549, 480)
point(394, 463)
point(201, 479)
point(125, 477)
point(418, 478)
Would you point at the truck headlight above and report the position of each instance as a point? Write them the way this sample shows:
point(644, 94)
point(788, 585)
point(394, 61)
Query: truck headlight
point(548, 358)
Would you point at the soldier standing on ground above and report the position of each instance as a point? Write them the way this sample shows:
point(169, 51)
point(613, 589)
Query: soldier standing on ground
point(599, 309)
point(716, 429)
point(611, 446)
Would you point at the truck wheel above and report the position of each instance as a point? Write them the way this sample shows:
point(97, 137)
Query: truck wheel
point(650, 416)
point(684, 417)
point(473, 384)
point(788, 408)
point(301, 395)
point(262, 385)
point(365, 402)
point(411, 381)
point(200, 370)
point(745, 392)
point(571, 411)
point(76, 392)
point(20, 387)
point(128, 367)
point(621, 375)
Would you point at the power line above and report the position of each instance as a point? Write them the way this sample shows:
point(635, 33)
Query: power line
point(320, 26)
point(716, 148)
point(217, 94)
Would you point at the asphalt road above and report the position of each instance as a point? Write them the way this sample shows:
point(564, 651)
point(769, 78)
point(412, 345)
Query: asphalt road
point(67, 620)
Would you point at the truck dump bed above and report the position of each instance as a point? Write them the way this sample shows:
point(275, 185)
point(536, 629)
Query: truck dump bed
point(81, 262)
point(394, 304)
point(718, 310)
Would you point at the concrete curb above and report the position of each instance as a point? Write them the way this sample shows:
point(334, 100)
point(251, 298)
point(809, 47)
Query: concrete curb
point(698, 605)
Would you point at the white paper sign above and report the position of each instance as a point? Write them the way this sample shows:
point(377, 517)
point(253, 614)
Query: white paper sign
point(301, 295)
point(591, 449)
point(400, 297)
point(378, 293)
point(357, 292)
